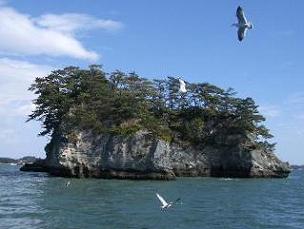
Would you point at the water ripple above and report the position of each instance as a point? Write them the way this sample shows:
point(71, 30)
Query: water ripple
point(35, 200)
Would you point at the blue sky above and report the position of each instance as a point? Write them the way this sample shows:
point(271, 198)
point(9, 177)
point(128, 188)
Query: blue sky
point(192, 39)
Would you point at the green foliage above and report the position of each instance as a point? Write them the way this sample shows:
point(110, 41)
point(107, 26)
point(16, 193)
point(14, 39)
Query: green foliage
point(73, 99)
point(124, 130)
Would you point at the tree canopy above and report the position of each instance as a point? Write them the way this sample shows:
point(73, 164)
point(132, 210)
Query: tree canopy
point(72, 99)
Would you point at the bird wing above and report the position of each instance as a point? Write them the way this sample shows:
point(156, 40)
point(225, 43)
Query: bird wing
point(161, 199)
point(182, 85)
point(241, 15)
point(182, 82)
point(241, 33)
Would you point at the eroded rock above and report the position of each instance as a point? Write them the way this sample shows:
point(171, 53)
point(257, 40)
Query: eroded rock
point(142, 156)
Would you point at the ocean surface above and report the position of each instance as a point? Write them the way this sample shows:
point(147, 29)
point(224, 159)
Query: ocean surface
point(36, 200)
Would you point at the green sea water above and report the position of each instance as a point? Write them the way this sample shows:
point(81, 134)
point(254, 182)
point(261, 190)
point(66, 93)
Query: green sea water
point(36, 200)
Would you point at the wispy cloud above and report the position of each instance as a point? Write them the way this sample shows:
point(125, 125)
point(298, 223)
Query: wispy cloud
point(270, 111)
point(296, 98)
point(15, 78)
point(49, 34)
point(72, 22)
point(16, 136)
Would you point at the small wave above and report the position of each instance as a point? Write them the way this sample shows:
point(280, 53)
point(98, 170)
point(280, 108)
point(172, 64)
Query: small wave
point(228, 179)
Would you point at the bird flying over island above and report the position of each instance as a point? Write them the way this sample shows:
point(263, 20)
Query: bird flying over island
point(243, 25)
point(164, 203)
point(182, 86)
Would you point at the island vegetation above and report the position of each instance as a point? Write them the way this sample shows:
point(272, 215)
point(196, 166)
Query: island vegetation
point(121, 103)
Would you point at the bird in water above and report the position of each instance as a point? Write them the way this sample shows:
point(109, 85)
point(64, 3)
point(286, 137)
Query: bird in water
point(165, 204)
point(68, 183)
point(243, 25)
point(182, 86)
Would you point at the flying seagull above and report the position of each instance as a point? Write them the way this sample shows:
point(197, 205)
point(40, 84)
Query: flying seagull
point(243, 25)
point(182, 86)
point(164, 203)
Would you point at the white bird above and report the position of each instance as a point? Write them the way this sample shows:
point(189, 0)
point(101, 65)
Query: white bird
point(182, 86)
point(164, 203)
point(68, 184)
point(243, 25)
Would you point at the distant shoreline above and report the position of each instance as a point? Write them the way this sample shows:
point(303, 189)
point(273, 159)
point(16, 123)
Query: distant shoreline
point(297, 166)
point(20, 161)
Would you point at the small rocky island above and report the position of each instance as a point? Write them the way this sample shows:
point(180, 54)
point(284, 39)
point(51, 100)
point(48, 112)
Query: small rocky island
point(124, 126)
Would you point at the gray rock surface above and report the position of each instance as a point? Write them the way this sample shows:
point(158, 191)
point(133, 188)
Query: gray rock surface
point(142, 156)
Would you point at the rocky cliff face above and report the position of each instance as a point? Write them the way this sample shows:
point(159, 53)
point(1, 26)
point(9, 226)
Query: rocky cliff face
point(142, 156)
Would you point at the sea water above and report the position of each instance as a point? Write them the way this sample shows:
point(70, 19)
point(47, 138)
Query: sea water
point(36, 200)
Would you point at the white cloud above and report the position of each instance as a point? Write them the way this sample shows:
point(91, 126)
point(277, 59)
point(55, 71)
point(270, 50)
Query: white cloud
point(25, 109)
point(17, 137)
point(50, 34)
point(15, 78)
point(71, 22)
